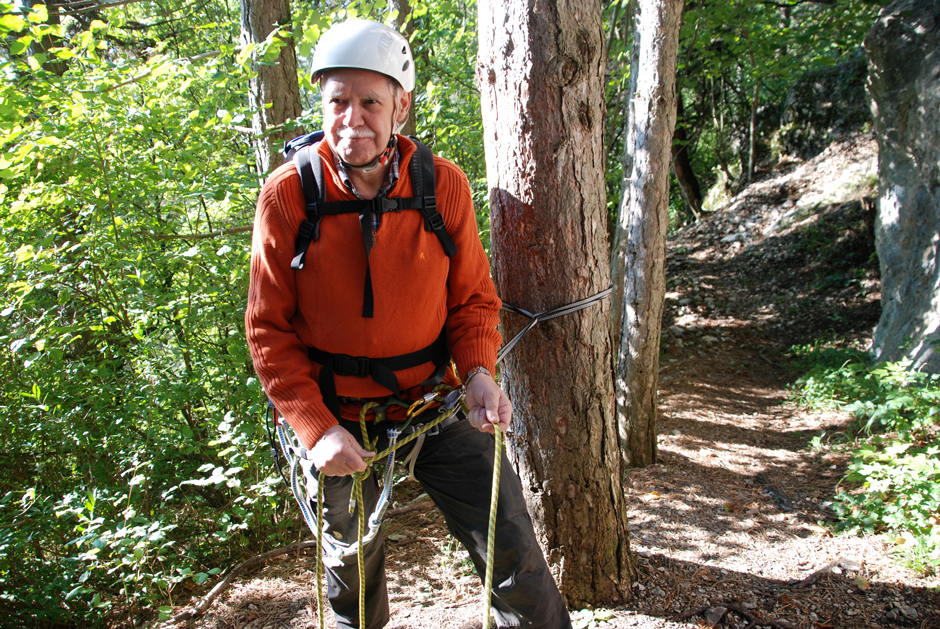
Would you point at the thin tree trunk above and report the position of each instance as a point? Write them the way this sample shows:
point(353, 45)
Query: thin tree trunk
point(540, 72)
point(718, 116)
point(48, 41)
point(682, 165)
point(406, 26)
point(752, 140)
point(618, 251)
point(274, 94)
point(642, 225)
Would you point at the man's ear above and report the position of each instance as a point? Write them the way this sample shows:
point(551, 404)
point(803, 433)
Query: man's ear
point(404, 105)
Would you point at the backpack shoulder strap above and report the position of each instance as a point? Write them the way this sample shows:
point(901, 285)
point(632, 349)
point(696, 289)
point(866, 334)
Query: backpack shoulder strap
point(295, 144)
point(424, 185)
point(310, 168)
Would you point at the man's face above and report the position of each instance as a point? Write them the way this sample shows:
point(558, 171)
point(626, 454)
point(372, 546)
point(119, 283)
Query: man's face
point(359, 111)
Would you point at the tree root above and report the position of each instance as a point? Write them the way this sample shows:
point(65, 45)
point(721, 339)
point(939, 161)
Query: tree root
point(838, 562)
point(753, 620)
point(200, 608)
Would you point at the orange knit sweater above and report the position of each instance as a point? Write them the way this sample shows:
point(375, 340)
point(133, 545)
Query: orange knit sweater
point(418, 291)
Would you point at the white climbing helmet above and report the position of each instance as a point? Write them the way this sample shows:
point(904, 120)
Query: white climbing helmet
point(366, 45)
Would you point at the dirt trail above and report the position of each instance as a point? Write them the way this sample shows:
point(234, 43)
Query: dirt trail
point(725, 525)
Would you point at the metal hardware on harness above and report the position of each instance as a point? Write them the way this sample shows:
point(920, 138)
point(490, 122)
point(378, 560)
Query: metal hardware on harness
point(301, 465)
point(424, 403)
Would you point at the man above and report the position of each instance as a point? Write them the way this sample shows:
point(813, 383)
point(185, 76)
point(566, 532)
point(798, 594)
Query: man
point(317, 331)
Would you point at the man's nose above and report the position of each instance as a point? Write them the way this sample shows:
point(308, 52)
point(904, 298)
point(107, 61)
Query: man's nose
point(352, 117)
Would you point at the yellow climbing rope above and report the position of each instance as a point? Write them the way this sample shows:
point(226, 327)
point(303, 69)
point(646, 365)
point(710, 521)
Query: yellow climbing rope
point(319, 570)
point(356, 502)
point(491, 529)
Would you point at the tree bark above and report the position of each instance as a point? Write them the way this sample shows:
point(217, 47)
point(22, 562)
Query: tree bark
point(274, 94)
point(540, 72)
point(618, 249)
point(406, 26)
point(642, 224)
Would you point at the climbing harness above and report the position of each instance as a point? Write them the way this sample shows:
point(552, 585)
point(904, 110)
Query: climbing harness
point(447, 405)
point(300, 463)
point(382, 370)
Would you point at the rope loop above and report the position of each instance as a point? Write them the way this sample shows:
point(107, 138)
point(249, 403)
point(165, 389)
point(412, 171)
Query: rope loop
point(574, 306)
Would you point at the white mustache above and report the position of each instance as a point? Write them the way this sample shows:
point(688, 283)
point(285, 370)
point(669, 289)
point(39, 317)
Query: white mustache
point(350, 133)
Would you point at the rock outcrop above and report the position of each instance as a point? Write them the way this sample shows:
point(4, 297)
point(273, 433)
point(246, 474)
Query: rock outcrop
point(904, 88)
point(824, 105)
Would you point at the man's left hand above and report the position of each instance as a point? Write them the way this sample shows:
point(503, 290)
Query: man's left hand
point(488, 404)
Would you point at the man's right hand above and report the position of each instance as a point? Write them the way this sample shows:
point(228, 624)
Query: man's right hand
point(337, 453)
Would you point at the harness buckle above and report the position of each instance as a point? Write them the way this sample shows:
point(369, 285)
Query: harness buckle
point(434, 222)
point(311, 209)
point(380, 205)
point(430, 203)
point(306, 230)
point(309, 231)
point(345, 365)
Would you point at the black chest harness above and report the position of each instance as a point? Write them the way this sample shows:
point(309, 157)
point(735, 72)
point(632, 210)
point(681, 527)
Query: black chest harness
point(303, 151)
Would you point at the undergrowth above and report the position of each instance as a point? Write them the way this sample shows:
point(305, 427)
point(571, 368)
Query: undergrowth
point(893, 481)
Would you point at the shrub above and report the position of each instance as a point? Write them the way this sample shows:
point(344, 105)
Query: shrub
point(894, 474)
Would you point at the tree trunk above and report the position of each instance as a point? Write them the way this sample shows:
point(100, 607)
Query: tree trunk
point(752, 135)
point(274, 94)
point(903, 50)
point(618, 250)
point(406, 26)
point(642, 224)
point(540, 72)
point(48, 41)
point(682, 165)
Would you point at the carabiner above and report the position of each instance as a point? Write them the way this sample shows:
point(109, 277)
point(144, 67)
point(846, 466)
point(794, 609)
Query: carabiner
point(424, 403)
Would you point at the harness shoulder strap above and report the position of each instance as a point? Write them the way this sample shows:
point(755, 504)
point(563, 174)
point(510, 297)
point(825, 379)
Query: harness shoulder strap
point(307, 160)
point(425, 188)
point(310, 168)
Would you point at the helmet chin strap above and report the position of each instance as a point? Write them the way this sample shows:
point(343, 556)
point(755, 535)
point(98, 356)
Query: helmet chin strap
point(381, 160)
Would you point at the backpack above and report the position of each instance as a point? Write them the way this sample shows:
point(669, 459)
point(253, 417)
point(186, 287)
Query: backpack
point(302, 151)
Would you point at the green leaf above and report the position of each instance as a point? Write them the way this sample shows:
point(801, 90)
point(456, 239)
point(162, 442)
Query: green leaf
point(21, 45)
point(39, 14)
point(11, 22)
point(76, 591)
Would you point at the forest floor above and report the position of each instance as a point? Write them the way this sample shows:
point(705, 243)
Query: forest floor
point(731, 527)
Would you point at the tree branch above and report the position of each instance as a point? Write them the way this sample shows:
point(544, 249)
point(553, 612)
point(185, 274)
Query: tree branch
point(69, 8)
point(206, 236)
point(786, 5)
point(148, 72)
point(204, 604)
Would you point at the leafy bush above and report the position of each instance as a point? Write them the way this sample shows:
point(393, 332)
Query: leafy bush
point(132, 458)
point(895, 467)
point(134, 463)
